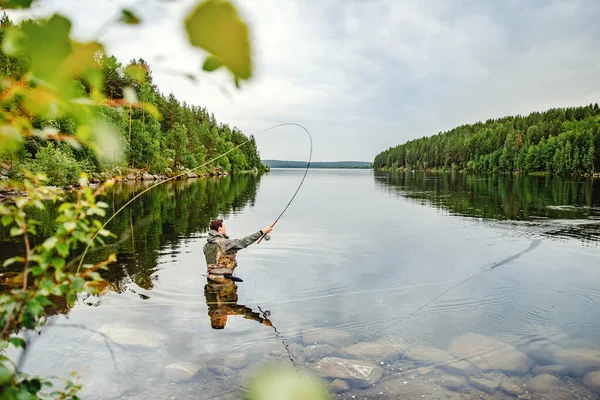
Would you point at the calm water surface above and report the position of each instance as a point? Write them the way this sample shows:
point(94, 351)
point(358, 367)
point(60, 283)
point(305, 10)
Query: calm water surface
point(401, 260)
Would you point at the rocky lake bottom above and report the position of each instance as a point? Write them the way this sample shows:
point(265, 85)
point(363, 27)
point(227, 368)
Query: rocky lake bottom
point(473, 366)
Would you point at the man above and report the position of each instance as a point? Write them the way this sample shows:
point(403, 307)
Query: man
point(220, 251)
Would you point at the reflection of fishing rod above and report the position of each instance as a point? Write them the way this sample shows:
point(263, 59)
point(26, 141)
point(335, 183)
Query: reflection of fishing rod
point(266, 314)
point(266, 236)
point(185, 173)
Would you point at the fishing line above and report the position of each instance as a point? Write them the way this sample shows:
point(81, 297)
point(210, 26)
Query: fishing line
point(507, 260)
point(194, 169)
point(303, 177)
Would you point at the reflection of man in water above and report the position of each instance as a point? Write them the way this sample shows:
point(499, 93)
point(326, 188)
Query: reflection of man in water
point(221, 299)
point(220, 251)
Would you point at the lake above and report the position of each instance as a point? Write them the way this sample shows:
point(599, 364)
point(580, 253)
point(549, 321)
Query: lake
point(386, 284)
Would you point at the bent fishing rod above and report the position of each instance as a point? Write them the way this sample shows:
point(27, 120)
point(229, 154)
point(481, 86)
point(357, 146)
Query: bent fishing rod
point(303, 177)
point(194, 169)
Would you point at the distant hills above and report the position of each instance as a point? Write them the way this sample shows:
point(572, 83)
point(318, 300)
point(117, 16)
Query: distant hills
point(317, 164)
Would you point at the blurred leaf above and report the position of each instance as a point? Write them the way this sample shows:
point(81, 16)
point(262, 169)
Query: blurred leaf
point(281, 382)
point(136, 72)
point(16, 231)
point(46, 44)
point(130, 95)
point(151, 109)
point(5, 374)
point(9, 138)
point(212, 63)
point(18, 342)
point(12, 260)
point(129, 17)
point(50, 242)
point(215, 26)
point(15, 3)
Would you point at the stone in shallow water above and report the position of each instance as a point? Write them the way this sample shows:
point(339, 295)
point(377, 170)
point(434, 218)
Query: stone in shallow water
point(489, 354)
point(338, 386)
point(579, 359)
point(376, 350)
point(235, 361)
point(592, 380)
point(181, 371)
point(334, 337)
point(440, 359)
point(451, 382)
point(544, 383)
point(484, 384)
point(361, 371)
point(318, 351)
point(543, 352)
point(129, 334)
point(556, 370)
point(512, 389)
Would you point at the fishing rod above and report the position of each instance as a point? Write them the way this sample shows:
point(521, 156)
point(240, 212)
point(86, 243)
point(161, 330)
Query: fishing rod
point(266, 236)
point(192, 170)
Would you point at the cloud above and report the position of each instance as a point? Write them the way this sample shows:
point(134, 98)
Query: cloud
point(366, 75)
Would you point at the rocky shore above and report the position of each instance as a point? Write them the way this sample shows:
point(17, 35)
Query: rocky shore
point(7, 193)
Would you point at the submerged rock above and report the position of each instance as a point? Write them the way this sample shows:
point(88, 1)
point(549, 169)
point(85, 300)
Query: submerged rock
point(543, 352)
point(579, 360)
point(451, 382)
point(235, 361)
point(318, 351)
point(440, 359)
point(512, 389)
point(484, 384)
point(373, 350)
point(544, 383)
point(334, 337)
point(361, 371)
point(556, 370)
point(129, 334)
point(181, 371)
point(489, 354)
point(338, 386)
point(592, 380)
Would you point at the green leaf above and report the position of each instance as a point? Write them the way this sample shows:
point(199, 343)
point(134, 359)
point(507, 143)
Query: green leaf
point(212, 63)
point(58, 262)
point(63, 249)
point(7, 220)
point(18, 342)
point(136, 72)
point(50, 242)
point(128, 17)
point(78, 284)
point(5, 375)
point(16, 231)
point(46, 44)
point(12, 260)
point(7, 4)
point(214, 25)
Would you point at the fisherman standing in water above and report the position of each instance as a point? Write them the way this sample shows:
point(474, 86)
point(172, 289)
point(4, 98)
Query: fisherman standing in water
point(220, 251)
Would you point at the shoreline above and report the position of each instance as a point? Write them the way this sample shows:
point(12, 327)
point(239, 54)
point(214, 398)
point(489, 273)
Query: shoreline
point(8, 192)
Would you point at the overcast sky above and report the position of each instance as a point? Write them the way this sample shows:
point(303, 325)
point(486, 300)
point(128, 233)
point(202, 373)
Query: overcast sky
point(364, 75)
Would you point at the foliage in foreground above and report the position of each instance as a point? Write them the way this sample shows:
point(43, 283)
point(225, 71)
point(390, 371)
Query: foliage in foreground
point(558, 141)
point(46, 275)
point(65, 107)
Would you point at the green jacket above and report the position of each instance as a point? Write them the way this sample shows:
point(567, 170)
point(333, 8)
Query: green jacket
point(229, 246)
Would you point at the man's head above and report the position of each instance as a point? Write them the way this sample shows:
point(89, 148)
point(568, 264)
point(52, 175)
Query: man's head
point(219, 226)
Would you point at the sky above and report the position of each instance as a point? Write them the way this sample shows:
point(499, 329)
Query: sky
point(364, 75)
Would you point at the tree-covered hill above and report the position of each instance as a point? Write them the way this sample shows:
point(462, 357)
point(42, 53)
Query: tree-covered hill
point(557, 141)
point(185, 136)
